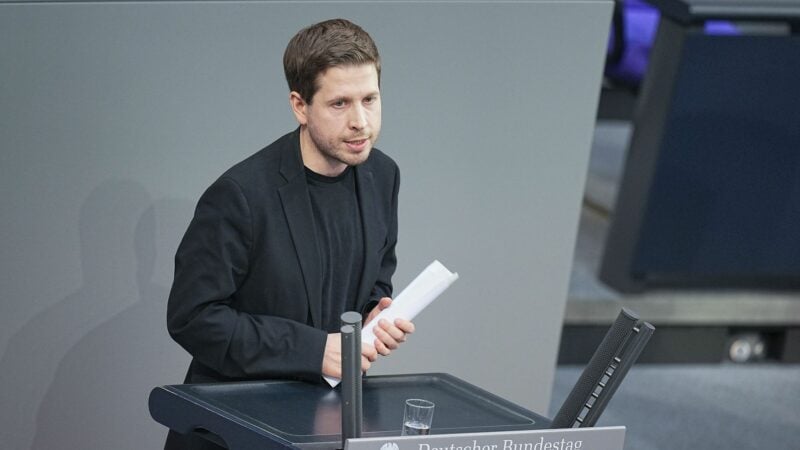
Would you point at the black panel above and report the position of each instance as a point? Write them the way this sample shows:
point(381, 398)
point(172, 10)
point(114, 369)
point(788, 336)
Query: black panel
point(725, 199)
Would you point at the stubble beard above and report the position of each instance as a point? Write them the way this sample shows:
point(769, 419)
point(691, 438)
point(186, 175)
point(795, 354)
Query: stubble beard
point(335, 150)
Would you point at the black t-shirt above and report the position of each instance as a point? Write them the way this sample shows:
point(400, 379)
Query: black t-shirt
point(337, 223)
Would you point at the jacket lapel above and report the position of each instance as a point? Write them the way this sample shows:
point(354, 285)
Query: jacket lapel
point(297, 208)
point(369, 219)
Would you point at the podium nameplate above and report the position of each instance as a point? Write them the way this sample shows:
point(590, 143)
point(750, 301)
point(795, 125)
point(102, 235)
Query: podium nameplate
point(599, 438)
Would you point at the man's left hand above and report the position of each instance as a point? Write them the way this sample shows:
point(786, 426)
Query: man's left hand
point(388, 335)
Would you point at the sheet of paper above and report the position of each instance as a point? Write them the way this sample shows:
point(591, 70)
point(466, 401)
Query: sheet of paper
point(428, 285)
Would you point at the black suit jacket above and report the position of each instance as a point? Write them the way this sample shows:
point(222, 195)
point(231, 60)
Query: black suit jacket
point(246, 299)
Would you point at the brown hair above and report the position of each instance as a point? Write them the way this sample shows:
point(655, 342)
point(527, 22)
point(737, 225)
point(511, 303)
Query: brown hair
point(316, 48)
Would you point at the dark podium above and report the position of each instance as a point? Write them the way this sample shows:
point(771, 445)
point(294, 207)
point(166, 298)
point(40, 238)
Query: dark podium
point(281, 414)
point(292, 414)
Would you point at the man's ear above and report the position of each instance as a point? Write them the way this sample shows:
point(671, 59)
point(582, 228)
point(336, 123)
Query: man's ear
point(299, 107)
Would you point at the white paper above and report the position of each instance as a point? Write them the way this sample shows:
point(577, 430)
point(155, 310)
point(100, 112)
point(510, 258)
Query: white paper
point(428, 285)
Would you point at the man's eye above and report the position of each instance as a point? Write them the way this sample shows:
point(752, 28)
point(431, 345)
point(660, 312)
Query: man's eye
point(370, 99)
point(338, 104)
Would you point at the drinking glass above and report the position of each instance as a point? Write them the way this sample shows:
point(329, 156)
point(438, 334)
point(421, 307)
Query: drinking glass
point(417, 417)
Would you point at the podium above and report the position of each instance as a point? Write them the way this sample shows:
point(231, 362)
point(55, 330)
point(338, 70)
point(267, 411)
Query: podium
point(292, 414)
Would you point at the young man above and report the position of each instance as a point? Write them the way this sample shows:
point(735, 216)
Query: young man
point(288, 239)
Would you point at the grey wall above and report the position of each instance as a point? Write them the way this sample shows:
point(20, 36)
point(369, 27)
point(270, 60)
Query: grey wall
point(115, 117)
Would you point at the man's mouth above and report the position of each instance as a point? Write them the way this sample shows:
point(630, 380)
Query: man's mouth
point(356, 144)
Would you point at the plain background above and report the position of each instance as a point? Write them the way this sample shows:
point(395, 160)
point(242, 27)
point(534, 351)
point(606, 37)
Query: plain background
point(114, 117)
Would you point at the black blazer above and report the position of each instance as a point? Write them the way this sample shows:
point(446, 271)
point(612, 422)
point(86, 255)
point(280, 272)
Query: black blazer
point(246, 298)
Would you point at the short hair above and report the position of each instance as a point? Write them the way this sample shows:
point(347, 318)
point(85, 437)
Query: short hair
point(316, 48)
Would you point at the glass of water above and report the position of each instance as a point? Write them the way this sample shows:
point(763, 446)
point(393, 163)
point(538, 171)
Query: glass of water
point(417, 417)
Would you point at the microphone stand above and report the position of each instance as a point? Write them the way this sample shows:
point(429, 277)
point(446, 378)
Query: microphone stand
point(352, 413)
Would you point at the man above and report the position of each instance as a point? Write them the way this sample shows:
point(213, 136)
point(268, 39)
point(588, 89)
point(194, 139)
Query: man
point(288, 239)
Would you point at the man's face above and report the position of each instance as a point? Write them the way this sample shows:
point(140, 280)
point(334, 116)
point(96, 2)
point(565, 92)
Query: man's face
point(343, 120)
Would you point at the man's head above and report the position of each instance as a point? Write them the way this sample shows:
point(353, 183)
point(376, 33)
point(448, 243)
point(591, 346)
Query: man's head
point(316, 48)
point(333, 71)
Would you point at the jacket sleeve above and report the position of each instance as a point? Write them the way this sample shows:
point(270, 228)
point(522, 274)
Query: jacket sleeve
point(210, 265)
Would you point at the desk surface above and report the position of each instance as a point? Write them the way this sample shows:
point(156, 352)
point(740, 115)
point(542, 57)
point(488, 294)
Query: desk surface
point(302, 414)
point(688, 11)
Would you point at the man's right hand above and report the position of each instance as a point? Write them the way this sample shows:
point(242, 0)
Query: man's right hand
point(332, 360)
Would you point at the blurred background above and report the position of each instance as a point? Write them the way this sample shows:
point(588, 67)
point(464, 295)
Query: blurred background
point(641, 154)
point(690, 218)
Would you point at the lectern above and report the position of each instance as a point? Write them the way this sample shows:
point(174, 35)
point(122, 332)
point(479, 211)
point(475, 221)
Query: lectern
point(281, 414)
point(291, 414)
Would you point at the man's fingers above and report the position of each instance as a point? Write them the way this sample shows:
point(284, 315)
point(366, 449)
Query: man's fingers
point(384, 302)
point(405, 325)
point(392, 331)
point(382, 349)
point(386, 338)
point(365, 364)
point(388, 335)
point(369, 352)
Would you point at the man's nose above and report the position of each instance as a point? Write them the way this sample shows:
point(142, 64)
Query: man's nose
point(358, 117)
